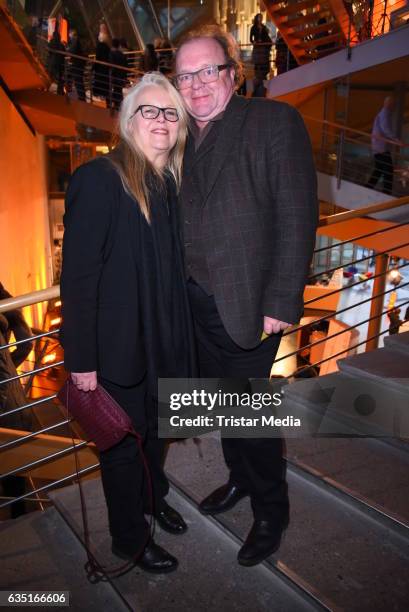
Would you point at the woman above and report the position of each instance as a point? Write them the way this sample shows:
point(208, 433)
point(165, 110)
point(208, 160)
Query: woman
point(125, 310)
point(260, 38)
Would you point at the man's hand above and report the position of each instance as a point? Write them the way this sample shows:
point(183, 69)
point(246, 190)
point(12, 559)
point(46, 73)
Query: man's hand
point(84, 381)
point(274, 326)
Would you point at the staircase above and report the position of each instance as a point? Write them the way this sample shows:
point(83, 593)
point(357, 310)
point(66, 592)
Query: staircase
point(349, 507)
point(39, 552)
point(312, 29)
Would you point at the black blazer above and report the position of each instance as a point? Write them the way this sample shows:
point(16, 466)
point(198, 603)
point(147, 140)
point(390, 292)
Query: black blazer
point(259, 216)
point(115, 298)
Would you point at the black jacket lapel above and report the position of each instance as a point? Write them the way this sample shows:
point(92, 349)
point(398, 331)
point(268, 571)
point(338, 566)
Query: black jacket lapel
point(230, 132)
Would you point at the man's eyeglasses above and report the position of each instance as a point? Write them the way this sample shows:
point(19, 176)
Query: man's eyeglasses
point(149, 111)
point(209, 74)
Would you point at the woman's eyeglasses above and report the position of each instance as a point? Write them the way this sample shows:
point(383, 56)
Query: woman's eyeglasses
point(149, 111)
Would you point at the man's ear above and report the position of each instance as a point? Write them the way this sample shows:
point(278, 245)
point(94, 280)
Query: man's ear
point(232, 73)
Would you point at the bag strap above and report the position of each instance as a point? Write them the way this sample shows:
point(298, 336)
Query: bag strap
point(96, 572)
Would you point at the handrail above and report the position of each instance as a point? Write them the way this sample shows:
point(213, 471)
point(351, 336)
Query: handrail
point(349, 129)
point(368, 235)
point(53, 484)
point(86, 59)
point(28, 299)
point(335, 335)
point(362, 212)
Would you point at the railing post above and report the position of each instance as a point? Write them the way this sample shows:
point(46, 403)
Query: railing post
point(110, 89)
point(379, 284)
point(349, 47)
point(340, 155)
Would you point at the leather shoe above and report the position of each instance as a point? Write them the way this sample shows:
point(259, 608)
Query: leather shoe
point(222, 499)
point(263, 540)
point(154, 559)
point(170, 520)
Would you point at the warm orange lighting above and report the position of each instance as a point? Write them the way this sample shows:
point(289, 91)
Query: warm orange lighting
point(55, 321)
point(57, 304)
point(50, 358)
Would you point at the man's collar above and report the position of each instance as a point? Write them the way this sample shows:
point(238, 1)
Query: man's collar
point(194, 128)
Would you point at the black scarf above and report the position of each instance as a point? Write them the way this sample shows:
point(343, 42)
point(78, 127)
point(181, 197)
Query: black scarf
point(167, 324)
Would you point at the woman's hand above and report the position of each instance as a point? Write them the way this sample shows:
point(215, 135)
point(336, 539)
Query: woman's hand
point(84, 381)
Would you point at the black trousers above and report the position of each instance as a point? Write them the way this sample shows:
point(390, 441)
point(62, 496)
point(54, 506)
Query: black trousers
point(256, 465)
point(383, 168)
point(123, 475)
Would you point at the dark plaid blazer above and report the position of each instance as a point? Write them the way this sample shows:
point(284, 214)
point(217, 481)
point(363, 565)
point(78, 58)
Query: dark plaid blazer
point(259, 215)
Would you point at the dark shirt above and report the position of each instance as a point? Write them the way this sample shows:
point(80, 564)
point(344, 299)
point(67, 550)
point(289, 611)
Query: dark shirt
point(198, 158)
point(200, 134)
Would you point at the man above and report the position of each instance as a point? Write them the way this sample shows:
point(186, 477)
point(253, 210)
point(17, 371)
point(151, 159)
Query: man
point(249, 208)
point(381, 149)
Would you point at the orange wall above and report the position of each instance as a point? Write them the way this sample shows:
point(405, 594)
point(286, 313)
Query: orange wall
point(24, 227)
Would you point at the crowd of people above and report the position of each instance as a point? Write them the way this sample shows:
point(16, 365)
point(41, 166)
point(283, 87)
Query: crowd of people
point(67, 63)
point(111, 68)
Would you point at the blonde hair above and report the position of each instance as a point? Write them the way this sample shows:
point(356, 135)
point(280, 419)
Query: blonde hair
point(130, 161)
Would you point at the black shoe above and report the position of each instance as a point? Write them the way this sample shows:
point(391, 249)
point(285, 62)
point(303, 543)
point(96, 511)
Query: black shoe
point(263, 540)
point(154, 559)
point(222, 499)
point(170, 520)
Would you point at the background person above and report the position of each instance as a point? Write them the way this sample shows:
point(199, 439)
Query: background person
point(124, 303)
point(101, 82)
point(76, 64)
point(17, 325)
point(381, 150)
point(56, 61)
point(119, 75)
point(150, 60)
point(262, 43)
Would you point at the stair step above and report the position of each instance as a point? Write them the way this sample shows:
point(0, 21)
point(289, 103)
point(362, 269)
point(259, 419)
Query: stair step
point(290, 9)
point(398, 342)
point(339, 404)
point(317, 29)
point(330, 544)
point(204, 552)
point(384, 365)
point(39, 552)
point(309, 18)
point(318, 42)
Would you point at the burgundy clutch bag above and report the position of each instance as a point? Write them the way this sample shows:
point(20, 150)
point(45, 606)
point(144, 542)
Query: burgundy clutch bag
point(97, 413)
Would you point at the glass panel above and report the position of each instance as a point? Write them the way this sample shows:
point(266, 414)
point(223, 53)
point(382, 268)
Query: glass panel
point(145, 19)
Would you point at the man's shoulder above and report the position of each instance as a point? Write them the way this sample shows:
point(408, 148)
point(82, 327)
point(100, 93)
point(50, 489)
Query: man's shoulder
point(270, 109)
point(99, 170)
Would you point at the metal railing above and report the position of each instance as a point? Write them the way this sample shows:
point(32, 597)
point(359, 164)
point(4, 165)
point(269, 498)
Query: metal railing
point(379, 294)
point(89, 79)
point(347, 153)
